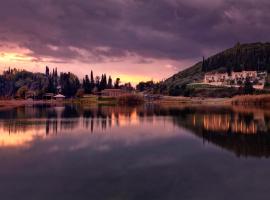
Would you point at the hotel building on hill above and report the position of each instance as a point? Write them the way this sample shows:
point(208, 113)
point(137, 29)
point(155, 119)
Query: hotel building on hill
point(236, 79)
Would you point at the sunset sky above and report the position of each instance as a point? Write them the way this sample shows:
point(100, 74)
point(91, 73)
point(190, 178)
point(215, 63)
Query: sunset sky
point(131, 39)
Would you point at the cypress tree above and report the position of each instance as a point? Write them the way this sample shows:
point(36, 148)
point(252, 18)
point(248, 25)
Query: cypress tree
point(110, 85)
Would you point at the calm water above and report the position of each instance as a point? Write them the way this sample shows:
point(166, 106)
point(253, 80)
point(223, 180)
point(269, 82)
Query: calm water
point(148, 152)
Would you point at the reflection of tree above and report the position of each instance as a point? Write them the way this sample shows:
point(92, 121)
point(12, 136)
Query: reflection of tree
point(242, 131)
point(55, 119)
point(242, 145)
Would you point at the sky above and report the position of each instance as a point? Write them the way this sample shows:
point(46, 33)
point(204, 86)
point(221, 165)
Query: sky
point(136, 40)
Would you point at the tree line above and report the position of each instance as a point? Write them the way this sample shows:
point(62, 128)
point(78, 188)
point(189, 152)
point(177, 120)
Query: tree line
point(15, 83)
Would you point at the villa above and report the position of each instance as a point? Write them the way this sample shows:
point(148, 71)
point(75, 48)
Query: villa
point(236, 79)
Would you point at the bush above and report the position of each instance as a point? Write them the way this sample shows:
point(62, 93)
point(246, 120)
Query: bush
point(22, 91)
point(258, 100)
point(80, 93)
point(130, 99)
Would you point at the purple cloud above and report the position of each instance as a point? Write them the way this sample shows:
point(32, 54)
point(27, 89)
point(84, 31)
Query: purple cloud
point(97, 31)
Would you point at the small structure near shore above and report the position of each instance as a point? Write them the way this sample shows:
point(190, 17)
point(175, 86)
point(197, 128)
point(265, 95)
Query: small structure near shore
point(59, 97)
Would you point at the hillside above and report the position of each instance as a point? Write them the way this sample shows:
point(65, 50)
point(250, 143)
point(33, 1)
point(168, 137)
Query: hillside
point(254, 56)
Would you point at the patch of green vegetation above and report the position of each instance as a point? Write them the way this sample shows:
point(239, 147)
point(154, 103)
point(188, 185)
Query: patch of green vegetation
point(106, 99)
point(203, 86)
point(91, 99)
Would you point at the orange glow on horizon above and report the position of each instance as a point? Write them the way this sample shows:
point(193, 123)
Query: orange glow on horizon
point(7, 57)
point(125, 78)
point(18, 139)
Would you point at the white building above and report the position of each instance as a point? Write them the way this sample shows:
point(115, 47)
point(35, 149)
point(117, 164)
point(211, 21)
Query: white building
point(216, 78)
point(236, 79)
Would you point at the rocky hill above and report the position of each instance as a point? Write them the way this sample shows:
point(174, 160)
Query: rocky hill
point(254, 56)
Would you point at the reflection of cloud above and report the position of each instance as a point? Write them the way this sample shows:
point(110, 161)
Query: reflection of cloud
point(121, 124)
point(17, 140)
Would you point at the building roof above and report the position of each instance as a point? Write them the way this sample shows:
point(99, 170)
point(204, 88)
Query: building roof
point(59, 96)
point(215, 73)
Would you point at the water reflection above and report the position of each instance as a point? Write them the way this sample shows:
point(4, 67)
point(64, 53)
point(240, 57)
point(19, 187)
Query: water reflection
point(240, 130)
point(148, 152)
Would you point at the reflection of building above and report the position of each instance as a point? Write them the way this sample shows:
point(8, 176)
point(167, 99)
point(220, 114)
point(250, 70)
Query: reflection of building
point(236, 79)
point(34, 122)
point(59, 97)
point(225, 123)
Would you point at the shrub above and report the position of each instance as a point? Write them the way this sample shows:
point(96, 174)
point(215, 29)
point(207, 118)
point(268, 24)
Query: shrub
point(130, 99)
point(22, 91)
point(258, 100)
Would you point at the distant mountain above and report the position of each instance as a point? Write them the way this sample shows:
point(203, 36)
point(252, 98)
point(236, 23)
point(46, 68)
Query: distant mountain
point(254, 56)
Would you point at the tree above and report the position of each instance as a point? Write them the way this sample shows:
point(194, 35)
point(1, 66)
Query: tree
point(248, 87)
point(97, 82)
point(92, 81)
point(128, 87)
point(103, 82)
point(47, 72)
point(80, 92)
point(117, 83)
point(175, 91)
point(143, 86)
point(229, 69)
point(55, 73)
point(87, 85)
point(204, 66)
point(110, 85)
point(69, 84)
point(22, 91)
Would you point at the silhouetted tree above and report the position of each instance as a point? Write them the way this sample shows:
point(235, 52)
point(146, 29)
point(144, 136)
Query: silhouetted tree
point(143, 86)
point(117, 83)
point(87, 85)
point(103, 82)
point(97, 82)
point(69, 84)
point(92, 80)
point(47, 71)
point(204, 66)
point(110, 85)
point(248, 87)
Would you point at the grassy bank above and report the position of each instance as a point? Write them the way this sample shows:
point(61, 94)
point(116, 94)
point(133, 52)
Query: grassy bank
point(193, 100)
point(252, 100)
point(92, 99)
point(130, 100)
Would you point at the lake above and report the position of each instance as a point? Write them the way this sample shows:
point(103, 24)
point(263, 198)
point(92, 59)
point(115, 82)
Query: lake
point(147, 152)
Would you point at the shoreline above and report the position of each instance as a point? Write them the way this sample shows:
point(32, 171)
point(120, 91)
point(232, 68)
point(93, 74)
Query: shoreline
point(262, 101)
point(9, 104)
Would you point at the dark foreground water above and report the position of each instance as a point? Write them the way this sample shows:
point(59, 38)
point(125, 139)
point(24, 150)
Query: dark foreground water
point(149, 152)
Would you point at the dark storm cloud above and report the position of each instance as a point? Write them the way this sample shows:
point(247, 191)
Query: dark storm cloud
point(99, 30)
